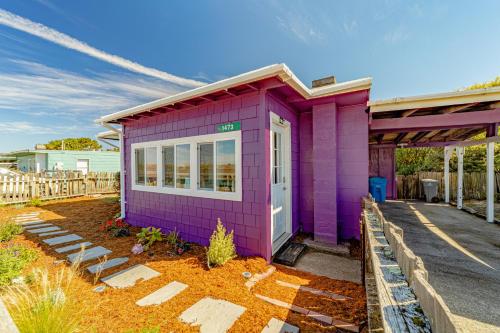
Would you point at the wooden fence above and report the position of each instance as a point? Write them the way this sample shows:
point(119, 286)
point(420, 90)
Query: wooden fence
point(23, 188)
point(410, 187)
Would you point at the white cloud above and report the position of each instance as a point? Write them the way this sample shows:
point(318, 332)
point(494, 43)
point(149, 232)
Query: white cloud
point(42, 31)
point(39, 90)
point(297, 24)
point(397, 35)
point(350, 27)
point(30, 128)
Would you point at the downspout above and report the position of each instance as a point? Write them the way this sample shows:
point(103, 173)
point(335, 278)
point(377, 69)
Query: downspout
point(122, 167)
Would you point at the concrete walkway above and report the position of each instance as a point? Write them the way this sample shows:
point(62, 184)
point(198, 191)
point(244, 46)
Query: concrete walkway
point(461, 253)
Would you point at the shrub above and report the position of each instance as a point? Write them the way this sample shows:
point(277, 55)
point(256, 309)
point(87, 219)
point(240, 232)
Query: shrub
point(221, 248)
point(148, 236)
point(35, 202)
point(9, 230)
point(13, 259)
point(45, 305)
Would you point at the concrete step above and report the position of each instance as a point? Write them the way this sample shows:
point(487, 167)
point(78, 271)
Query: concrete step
point(63, 239)
point(89, 254)
point(163, 294)
point(107, 264)
point(130, 276)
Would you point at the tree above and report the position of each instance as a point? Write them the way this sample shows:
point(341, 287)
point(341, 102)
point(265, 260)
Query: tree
point(74, 144)
point(488, 84)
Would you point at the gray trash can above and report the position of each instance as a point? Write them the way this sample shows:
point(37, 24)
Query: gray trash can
point(430, 189)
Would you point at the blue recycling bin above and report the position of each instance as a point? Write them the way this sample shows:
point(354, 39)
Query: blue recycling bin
point(377, 188)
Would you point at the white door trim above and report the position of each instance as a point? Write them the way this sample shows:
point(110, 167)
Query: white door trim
point(287, 151)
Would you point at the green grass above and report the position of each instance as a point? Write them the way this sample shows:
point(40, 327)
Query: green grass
point(13, 259)
point(47, 304)
point(35, 202)
point(9, 230)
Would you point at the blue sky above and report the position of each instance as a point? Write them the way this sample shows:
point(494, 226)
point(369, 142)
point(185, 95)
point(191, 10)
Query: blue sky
point(83, 59)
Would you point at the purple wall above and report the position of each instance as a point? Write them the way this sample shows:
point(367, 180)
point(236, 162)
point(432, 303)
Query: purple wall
point(306, 196)
point(195, 218)
point(352, 167)
point(382, 164)
point(325, 170)
point(329, 171)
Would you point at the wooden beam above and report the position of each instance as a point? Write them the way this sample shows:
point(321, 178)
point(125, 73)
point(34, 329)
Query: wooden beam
point(494, 105)
point(439, 121)
point(408, 113)
point(400, 137)
point(206, 98)
point(229, 92)
point(187, 103)
point(251, 86)
point(419, 136)
point(380, 138)
point(456, 108)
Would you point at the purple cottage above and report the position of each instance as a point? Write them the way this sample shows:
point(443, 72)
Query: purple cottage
point(261, 151)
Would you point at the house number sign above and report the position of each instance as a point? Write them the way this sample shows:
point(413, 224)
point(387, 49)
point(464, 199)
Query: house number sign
point(229, 127)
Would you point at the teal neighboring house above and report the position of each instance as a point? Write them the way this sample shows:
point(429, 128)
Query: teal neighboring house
point(70, 160)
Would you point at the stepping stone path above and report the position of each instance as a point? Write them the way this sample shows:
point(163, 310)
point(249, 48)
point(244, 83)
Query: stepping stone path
point(212, 315)
point(334, 296)
point(62, 239)
point(257, 277)
point(42, 230)
point(163, 294)
point(53, 233)
point(279, 326)
point(37, 225)
point(107, 264)
point(92, 253)
point(130, 276)
point(312, 314)
point(73, 247)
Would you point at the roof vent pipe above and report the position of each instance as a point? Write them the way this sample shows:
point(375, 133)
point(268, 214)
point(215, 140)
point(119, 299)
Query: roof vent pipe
point(326, 81)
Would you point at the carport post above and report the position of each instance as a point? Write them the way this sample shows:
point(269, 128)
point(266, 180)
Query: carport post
point(460, 180)
point(448, 150)
point(490, 182)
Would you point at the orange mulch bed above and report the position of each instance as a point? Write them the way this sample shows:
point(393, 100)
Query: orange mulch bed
point(115, 310)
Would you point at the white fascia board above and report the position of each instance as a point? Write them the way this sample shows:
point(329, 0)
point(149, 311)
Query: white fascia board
point(111, 135)
point(280, 70)
point(435, 100)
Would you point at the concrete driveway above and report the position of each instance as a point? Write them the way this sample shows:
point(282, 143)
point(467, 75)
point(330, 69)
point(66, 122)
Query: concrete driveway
point(461, 253)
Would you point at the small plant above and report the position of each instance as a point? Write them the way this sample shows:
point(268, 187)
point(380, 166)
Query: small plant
point(221, 248)
point(181, 247)
point(148, 236)
point(35, 202)
point(13, 259)
point(172, 237)
point(9, 230)
point(45, 305)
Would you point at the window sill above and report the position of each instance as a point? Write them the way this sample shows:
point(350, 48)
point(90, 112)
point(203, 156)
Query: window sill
point(232, 196)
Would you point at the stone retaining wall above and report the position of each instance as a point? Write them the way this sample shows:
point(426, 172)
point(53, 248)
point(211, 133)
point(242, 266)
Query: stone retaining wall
point(413, 268)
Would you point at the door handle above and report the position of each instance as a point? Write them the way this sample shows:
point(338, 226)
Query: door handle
point(284, 188)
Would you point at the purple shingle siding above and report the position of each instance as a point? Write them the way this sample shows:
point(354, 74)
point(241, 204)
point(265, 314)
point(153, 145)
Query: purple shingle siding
point(329, 166)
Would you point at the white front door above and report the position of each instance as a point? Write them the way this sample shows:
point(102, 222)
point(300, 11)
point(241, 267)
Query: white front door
point(280, 181)
point(82, 166)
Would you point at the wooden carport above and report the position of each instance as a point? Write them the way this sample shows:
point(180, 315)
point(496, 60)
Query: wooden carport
point(447, 120)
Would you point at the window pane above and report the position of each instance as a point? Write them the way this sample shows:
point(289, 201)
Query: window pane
point(168, 166)
point(226, 166)
point(206, 166)
point(139, 166)
point(182, 166)
point(276, 159)
point(151, 176)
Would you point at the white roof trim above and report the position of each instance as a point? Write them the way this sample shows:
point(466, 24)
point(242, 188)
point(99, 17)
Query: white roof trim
point(280, 70)
point(434, 100)
point(110, 135)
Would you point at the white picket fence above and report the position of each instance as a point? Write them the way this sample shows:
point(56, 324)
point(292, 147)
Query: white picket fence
point(23, 188)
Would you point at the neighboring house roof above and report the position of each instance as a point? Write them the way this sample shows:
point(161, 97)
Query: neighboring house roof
point(280, 71)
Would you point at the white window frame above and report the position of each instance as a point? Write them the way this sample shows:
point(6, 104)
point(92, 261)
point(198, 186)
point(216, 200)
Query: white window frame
point(193, 191)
